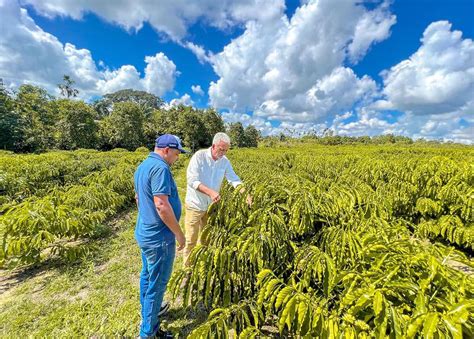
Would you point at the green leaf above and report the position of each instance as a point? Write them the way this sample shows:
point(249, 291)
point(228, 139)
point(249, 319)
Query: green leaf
point(302, 310)
point(414, 326)
point(284, 293)
point(454, 327)
point(395, 322)
point(287, 315)
point(378, 302)
point(430, 325)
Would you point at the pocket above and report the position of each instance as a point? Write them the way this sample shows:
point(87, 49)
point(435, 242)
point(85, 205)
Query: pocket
point(151, 254)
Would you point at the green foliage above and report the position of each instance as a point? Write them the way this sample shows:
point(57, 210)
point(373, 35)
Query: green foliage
point(147, 102)
point(40, 226)
point(76, 127)
point(123, 127)
point(22, 176)
point(37, 118)
point(236, 133)
point(243, 137)
point(195, 127)
point(10, 124)
point(252, 136)
point(334, 245)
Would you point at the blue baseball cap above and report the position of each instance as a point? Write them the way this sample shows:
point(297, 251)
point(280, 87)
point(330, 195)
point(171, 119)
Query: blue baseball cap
point(171, 141)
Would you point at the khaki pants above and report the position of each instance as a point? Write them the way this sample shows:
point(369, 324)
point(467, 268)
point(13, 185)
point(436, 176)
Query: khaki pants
point(194, 222)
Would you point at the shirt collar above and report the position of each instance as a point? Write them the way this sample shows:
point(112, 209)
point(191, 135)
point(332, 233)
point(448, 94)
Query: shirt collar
point(157, 157)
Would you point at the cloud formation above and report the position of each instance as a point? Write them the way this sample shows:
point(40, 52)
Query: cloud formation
point(197, 89)
point(293, 70)
point(171, 17)
point(30, 55)
point(282, 74)
point(438, 78)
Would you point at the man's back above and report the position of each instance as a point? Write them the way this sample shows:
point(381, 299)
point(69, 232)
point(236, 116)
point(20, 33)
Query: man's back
point(153, 177)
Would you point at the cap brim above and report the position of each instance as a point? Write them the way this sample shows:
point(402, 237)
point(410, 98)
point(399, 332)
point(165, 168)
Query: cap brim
point(182, 150)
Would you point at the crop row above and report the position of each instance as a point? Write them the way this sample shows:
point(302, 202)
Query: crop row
point(26, 175)
point(334, 245)
point(50, 224)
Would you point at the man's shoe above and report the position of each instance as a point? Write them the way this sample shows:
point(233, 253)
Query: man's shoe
point(162, 334)
point(165, 306)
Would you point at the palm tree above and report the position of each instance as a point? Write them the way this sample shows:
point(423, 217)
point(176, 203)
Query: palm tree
point(66, 88)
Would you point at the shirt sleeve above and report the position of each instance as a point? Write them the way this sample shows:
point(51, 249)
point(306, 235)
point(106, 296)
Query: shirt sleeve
point(161, 182)
point(192, 173)
point(231, 177)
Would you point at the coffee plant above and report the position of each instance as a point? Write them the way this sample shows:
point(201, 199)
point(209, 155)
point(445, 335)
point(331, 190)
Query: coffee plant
point(66, 213)
point(340, 242)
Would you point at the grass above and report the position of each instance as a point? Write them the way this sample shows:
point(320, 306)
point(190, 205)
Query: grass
point(96, 297)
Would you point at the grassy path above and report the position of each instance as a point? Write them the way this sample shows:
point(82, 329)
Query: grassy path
point(96, 297)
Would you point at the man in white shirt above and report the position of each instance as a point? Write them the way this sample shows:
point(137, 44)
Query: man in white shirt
point(206, 171)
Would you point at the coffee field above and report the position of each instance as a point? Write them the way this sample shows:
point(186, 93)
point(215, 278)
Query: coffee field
point(339, 241)
point(342, 242)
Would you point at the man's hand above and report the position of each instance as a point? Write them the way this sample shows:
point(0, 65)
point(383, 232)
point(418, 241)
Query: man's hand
point(181, 241)
point(215, 196)
point(249, 200)
point(249, 197)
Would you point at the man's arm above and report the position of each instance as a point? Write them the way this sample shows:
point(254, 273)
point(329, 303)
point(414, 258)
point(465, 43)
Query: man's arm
point(165, 211)
point(231, 177)
point(215, 196)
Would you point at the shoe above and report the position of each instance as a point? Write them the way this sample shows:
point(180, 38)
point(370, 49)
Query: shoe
point(163, 334)
point(165, 306)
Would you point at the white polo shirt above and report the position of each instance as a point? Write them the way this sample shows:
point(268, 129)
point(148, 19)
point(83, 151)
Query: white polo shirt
point(202, 169)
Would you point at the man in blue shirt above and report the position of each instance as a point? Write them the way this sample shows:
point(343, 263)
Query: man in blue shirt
point(157, 228)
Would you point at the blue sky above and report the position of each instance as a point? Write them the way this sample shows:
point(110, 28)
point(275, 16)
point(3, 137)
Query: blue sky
point(398, 67)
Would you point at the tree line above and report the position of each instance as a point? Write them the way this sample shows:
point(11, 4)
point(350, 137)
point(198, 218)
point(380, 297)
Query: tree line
point(32, 120)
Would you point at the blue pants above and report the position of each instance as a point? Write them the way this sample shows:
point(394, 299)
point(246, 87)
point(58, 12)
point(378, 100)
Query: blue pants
point(156, 271)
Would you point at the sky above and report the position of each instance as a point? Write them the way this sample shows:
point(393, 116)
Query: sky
point(357, 67)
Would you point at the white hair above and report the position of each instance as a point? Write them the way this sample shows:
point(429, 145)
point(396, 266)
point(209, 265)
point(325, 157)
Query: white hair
point(220, 137)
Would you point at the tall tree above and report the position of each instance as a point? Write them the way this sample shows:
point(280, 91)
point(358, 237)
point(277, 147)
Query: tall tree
point(213, 123)
point(146, 101)
point(10, 127)
point(252, 136)
point(66, 87)
point(37, 118)
point(237, 134)
point(76, 127)
point(123, 127)
point(191, 127)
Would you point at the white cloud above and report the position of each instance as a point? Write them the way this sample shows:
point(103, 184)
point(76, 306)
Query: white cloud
point(184, 100)
point(30, 55)
point(160, 73)
point(333, 93)
point(202, 55)
point(172, 17)
point(438, 78)
point(445, 127)
point(373, 27)
point(197, 89)
point(368, 122)
point(266, 128)
point(292, 69)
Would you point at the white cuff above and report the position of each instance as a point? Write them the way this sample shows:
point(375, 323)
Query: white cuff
point(236, 183)
point(195, 184)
